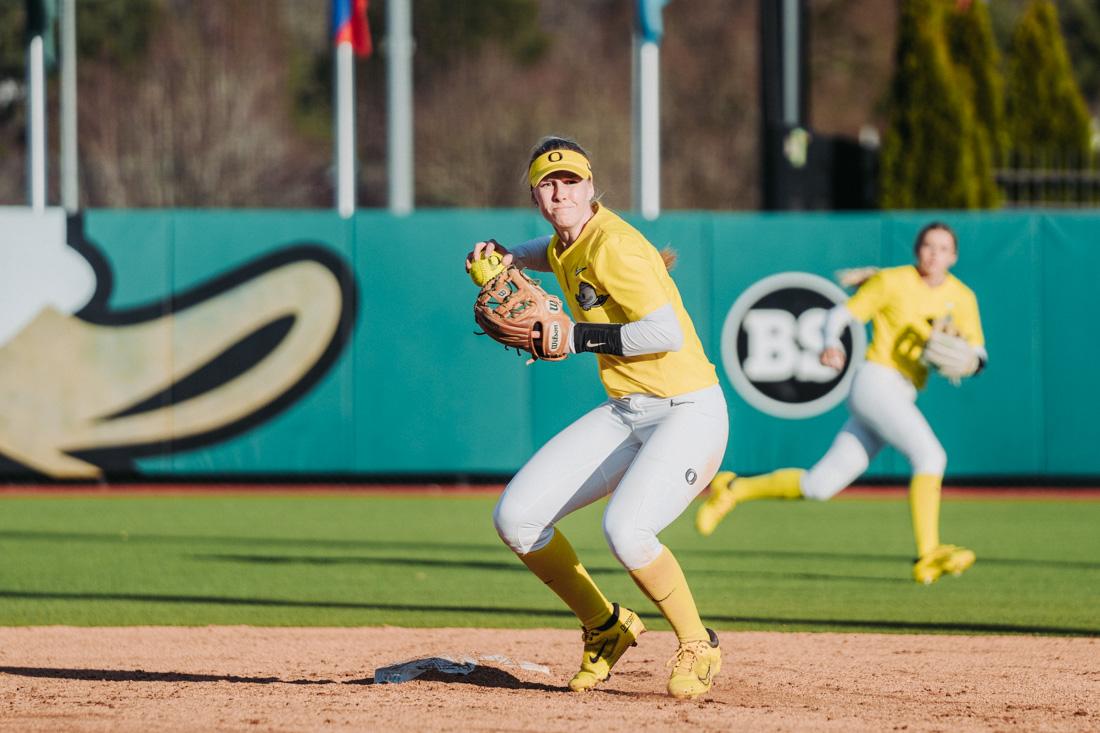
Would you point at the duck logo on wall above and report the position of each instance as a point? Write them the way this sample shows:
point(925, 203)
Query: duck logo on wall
point(87, 388)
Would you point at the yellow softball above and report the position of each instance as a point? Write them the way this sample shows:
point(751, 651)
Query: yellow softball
point(484, 269)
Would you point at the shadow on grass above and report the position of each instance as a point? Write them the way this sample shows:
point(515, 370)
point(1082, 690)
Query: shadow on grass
point(192, 541)
point(279, 603)
point(429, 562)
point(768, 553)
point(534, 613)
point(236, 540)
point(516, 566)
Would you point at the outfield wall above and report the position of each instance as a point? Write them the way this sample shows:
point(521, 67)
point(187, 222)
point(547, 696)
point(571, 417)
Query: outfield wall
point(236, 343)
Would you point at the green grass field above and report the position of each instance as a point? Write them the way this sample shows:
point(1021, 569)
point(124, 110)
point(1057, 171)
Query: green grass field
point(431, 560)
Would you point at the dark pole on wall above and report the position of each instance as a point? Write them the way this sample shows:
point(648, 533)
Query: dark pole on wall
point(801, 168)
point(784, 89)
point(784, 66)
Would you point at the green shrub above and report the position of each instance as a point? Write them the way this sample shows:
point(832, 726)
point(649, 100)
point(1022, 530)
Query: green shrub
point(928, 158)
point(1046, 115)
point(973, 51)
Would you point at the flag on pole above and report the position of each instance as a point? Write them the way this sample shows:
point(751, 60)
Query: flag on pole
point(650, 24)
point(349, 25)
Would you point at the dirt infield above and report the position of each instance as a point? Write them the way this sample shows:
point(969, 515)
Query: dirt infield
point(280, 679)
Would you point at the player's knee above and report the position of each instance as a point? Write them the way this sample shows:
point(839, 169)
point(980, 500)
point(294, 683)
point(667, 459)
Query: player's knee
point(932, 460)
point(848, 457)
point(633, 546)
point(816, 492)
point(515, 527)
point(506, 524)
point(819, 486)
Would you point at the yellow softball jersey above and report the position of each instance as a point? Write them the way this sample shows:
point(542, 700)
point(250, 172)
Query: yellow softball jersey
point(902, 307)
point(612, 274)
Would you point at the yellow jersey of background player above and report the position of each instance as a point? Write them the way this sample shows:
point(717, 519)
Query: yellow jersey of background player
point(902, 308)
point(902, 304)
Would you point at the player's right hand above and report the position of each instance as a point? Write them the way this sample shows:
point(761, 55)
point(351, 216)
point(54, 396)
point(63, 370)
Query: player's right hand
point(833, 357)
point(486, 248)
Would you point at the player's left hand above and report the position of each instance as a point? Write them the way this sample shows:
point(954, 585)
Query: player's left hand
point(833, 357)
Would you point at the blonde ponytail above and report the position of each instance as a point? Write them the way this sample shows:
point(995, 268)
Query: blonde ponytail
point(670, 256)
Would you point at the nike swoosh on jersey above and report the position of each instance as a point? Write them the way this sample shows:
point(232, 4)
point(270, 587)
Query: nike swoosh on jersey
point(579, 270)
point(590, 345)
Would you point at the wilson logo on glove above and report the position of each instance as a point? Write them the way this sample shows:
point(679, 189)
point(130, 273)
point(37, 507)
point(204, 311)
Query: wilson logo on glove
point(771, 341)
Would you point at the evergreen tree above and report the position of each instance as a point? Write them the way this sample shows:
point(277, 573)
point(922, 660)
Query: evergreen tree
point(1082, 32)
point(927, 155)
point(1047, 119)
point(976, 60)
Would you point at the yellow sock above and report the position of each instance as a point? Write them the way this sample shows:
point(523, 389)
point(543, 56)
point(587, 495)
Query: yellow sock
point(557, 565)
point(786, 483)
point(664, 583)
point(924, 506)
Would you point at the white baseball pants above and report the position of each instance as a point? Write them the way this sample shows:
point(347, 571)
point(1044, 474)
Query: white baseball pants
point(882, 410)
point(653, 455)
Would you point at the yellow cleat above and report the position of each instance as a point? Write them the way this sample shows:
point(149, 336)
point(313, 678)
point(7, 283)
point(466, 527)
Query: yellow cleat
point(694, 667)
point(604, 646)
point(718, 503)
point(944, 559)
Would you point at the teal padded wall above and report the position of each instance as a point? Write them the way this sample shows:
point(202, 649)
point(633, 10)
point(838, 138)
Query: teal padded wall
point(415, 391)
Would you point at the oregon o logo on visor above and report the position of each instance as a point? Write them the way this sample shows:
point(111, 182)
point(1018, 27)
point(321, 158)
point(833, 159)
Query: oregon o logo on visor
point(771, 341)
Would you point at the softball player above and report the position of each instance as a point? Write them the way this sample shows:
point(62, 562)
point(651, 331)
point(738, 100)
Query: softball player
point(902, 303)
point(658, 438)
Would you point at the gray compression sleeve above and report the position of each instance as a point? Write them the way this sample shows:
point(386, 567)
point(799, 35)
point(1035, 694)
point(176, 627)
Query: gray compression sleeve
point(655, 333)
point(532, 254)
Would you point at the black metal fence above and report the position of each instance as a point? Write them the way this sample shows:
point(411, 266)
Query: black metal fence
point(1054, 184)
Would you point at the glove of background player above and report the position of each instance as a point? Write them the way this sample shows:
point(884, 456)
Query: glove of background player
point(516, 312)
point(949, 353)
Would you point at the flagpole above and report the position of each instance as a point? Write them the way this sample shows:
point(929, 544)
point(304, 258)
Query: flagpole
point(36, 124)
point(399, 48)
point(647, 127)
point(70, 162)
point(646, 102)
point(345, 130)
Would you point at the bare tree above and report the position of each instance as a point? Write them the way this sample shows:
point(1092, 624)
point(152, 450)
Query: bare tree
point(206, 122)
point(231, 106)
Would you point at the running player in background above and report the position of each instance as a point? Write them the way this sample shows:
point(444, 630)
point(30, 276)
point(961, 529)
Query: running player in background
point(657, 439)
point(902, 303)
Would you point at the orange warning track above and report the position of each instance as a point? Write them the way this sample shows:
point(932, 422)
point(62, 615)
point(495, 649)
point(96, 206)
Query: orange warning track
point(1060, 493)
